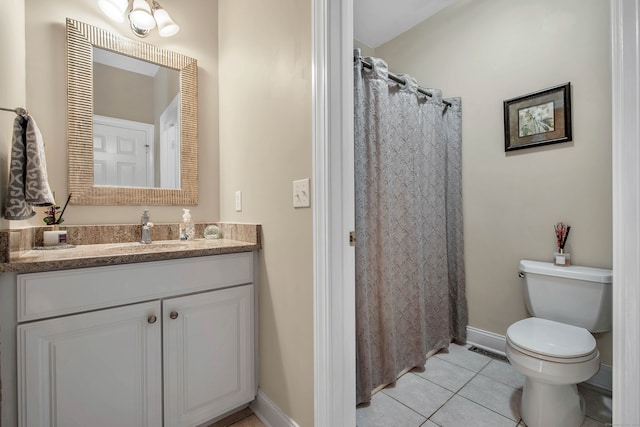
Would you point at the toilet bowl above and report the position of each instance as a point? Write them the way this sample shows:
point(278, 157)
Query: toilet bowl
point(555, 350)
point(554, 357)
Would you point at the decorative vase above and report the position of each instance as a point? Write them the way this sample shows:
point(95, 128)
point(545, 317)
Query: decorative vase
point(562, 258)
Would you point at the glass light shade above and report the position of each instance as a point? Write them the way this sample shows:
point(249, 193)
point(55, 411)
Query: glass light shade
point(114, 9)
point(140, 15)
point(166, 26)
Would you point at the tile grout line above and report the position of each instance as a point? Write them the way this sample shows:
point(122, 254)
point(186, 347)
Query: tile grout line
point(403, 404)
point(439, 407)
point(479, 372)
point(478, 403)
point(491, 410)
point(456, 393)
point(446, 401)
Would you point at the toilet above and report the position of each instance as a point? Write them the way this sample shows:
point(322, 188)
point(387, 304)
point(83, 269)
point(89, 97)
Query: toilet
point(555, 350)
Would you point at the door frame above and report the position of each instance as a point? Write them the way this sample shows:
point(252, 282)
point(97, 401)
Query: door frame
point(334, 261)
point(625, 105)
point(333, 214)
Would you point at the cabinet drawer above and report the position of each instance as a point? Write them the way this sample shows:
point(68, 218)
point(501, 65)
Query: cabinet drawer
point(49, 294)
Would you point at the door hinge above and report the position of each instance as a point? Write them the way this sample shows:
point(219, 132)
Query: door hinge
point(352, 238)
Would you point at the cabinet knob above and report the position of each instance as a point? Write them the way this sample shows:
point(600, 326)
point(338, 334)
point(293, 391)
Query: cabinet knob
point(173, 315)
point(152, 319)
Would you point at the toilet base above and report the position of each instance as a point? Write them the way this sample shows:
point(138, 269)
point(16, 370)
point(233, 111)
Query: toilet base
point(551, 405)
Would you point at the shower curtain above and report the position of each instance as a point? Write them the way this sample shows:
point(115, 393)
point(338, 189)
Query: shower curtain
point(410, 279)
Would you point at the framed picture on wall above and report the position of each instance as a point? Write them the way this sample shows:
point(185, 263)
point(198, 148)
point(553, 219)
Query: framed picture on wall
point(538, 118)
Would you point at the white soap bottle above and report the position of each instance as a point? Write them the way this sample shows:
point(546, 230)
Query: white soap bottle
point(187, 231)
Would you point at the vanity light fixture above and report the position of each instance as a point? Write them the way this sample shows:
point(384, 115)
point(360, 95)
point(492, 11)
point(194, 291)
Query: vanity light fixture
point(143, 17)
point(114, 9)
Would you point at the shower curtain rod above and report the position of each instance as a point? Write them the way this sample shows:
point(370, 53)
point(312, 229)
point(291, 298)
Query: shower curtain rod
point(18, 110)
point(402, 81)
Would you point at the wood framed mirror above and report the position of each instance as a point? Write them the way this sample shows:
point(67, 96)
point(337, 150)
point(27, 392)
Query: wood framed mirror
point(84, 185)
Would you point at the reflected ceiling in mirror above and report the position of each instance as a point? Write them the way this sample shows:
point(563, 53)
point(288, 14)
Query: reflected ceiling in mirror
point(160, 113)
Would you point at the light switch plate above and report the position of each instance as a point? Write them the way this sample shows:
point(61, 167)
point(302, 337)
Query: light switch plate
point(238, 201)
point(301, 197)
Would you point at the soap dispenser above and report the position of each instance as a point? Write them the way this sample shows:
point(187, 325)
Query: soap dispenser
point(186, 227)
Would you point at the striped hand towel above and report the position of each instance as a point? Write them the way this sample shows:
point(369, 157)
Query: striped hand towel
point(28, 184)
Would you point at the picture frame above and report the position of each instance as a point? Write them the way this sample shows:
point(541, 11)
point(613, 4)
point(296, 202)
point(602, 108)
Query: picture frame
point(539, 118)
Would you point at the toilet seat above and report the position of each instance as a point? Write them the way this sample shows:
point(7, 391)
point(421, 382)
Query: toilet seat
point(543, 357)
point(553, 341)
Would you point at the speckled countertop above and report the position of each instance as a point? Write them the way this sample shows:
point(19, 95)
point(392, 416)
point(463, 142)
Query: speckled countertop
point(92, 246)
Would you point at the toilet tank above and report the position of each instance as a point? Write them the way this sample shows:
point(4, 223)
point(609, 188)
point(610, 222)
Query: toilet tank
point(579, 296)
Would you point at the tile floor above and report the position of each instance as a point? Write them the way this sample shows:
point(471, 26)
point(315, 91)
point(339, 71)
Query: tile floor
point(462, 388)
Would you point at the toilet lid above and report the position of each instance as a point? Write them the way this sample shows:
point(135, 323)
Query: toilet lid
point(551, 338)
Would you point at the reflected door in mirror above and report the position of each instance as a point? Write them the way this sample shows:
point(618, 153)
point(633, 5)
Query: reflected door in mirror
point(170, 145)
point(122, 152)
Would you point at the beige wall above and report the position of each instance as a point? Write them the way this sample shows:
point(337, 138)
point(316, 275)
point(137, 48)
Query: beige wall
point(123, 94)
point(265, 144)
point(12, 83)
point(491, 50)
point(364, 49)
point(46, 98)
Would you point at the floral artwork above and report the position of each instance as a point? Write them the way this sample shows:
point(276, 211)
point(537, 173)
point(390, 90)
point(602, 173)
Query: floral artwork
point(535, 120)
point(539, 118)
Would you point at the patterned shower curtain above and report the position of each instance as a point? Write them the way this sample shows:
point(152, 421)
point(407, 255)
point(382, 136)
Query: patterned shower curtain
point(410, 280)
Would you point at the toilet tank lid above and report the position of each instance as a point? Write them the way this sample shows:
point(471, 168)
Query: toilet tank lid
point(589, 274)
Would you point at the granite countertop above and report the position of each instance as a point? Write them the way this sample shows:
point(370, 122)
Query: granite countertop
point(32, 258)
point(120, 253)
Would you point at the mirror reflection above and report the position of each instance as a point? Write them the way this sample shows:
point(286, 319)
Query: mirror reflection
point(136, 126)
point(143, 103)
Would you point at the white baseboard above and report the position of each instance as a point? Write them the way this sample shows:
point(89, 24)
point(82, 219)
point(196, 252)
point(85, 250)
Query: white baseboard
point(269, 413)
point(497, 344)
point(602, 378)
point(486, 340)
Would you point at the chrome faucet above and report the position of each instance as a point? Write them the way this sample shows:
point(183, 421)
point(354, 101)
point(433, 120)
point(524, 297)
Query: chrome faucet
point(146, 227)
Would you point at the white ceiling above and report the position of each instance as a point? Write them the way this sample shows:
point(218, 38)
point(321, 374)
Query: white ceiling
point(378, 21)
point(124, 62)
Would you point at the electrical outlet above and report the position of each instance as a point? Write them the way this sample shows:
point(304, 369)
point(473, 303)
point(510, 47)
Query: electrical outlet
point(238, 201)
point(301, 197)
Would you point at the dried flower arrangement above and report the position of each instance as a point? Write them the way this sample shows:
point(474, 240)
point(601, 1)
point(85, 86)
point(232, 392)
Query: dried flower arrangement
point(562, 233)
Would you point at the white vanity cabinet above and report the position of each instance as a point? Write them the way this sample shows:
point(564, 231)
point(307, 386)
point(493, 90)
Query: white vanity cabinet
point(167, 343)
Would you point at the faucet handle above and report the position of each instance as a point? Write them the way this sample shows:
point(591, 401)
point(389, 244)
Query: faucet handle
point(144, 219)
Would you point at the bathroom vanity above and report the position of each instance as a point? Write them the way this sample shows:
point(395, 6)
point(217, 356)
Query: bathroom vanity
point(169, 338)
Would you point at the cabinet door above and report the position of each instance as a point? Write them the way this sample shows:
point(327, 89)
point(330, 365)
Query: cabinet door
point(100, 368)
point(208, 354)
